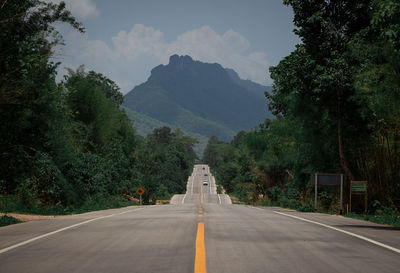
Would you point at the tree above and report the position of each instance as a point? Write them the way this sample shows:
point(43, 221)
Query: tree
point(166, 161)
point(29, 97)
point(325, 28)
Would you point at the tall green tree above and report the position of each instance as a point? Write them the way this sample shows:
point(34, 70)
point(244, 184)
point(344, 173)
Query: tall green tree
point(325, 28)
point(377, 86)
point(29, 97)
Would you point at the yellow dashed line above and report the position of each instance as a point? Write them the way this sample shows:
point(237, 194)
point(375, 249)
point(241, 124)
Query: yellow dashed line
point(200, 260)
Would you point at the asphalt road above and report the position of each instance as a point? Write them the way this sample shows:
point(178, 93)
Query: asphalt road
point(200, 231)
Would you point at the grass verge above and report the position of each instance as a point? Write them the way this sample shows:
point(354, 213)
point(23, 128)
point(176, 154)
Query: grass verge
point(387, 216)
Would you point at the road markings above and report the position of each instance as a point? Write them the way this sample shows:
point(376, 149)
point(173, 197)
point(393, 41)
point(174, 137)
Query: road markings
point(193, 183)
point(200, 260)
point(219, 199)
point(62, 229)
point(183, 200)
point(343, 231)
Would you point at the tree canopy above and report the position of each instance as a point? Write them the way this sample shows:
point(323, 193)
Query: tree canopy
point(69, 144)
point(336, 102)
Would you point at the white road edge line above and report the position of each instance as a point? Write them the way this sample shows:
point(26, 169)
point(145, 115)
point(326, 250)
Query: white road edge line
point(219, 198)
point(192, 183)
point(183, 200)
point(61, 229)
point(343, 231)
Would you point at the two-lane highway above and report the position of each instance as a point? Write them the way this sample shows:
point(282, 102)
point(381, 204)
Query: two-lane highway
point(195, 185)
point(200, 232)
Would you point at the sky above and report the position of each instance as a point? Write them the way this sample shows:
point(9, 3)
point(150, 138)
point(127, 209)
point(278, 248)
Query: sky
point(125, 39)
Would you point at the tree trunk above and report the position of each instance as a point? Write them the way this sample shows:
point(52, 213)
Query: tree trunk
point(343, 160)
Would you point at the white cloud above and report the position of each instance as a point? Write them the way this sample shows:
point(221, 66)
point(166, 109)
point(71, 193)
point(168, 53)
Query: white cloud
point(235, 40)
point(140, 40)
point(229, 50)
point(133, 54)
point(82, 9)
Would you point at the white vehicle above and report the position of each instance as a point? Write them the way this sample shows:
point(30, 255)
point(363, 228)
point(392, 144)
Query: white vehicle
point(205, 182)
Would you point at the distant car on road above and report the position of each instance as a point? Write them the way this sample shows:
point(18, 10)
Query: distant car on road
point(204, 168)
point(205, 183)
point(206, 174)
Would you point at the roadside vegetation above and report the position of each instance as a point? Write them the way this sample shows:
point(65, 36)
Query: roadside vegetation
point(68, 147)
point(6, 220)
point(336, 100)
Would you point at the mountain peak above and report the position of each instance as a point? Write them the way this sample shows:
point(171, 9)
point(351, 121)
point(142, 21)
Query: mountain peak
point(177, 60)
point(203, 99)
point(185, 67)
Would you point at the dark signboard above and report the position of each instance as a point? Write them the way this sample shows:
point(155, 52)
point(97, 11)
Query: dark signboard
point(327, 179)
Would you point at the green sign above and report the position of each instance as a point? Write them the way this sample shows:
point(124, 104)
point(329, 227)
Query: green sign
point(358, 188)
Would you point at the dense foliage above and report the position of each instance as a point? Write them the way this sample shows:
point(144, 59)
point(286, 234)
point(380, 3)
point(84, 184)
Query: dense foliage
point(336, 98)
point(6, 220)
point(69, 144)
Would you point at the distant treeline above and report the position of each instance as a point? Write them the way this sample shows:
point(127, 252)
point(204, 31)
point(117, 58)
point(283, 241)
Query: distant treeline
point(336, 99)
point(66, 144)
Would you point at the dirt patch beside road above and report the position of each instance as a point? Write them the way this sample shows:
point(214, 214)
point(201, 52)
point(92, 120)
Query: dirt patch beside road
point(30, 217)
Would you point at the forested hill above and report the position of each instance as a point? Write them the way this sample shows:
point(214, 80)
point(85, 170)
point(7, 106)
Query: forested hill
point(201, 98)
point(258, 89)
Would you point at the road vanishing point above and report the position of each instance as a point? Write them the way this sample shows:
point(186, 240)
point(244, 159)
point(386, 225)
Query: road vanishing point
point(201, 231)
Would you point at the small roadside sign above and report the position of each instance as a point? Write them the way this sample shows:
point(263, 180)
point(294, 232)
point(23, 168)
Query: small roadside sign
point(359, 188)
point(140, 191)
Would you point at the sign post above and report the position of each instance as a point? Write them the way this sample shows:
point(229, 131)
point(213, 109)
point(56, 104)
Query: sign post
point(140, 191)
point(328, 179)
point(341, 194)
point(316, 191)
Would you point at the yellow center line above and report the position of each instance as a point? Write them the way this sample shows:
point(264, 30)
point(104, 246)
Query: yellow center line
point(200, 260)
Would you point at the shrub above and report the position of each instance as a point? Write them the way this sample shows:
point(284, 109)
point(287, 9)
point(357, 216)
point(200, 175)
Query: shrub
point(48, 182)
point(89, 174)
point(6, 220)
point(265, 201)
point(325, 199)
point(274, 193)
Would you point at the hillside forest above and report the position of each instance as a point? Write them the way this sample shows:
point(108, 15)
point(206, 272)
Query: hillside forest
point(68, 146)
point(336, 99)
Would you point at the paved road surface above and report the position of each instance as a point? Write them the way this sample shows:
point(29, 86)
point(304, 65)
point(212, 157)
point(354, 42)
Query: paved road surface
point(201, 231)
point(194, 186)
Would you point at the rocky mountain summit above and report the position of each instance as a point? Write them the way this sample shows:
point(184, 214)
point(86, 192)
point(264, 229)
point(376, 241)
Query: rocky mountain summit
point(200, 98)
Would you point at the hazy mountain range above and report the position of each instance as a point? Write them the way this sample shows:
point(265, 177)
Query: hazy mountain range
point(202, 99)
